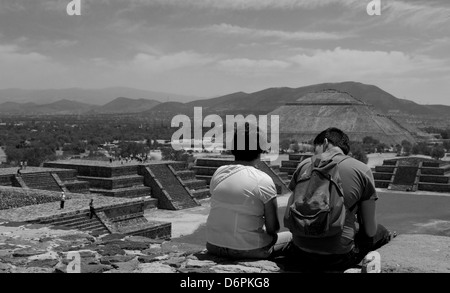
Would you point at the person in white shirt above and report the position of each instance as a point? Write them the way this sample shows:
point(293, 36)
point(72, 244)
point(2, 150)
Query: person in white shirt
point(243, 220)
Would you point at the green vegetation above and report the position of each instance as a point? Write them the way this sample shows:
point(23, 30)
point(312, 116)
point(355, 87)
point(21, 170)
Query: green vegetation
point(37, 139)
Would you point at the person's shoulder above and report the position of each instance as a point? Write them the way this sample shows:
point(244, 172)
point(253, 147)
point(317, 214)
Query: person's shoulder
point(355, 164)
point(262, 176)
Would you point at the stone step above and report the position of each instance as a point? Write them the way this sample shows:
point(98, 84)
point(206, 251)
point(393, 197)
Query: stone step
point(202, 170)
point(382, 183)
point(179, 166)
point(75, 221)
point(382, 176)
point(214, 163)
point(206, 178)
point(89, 226)
point(434, 187)
point(384, 169)
point(283, 175)
point(434, 179)
point(110, 183)
point(432, 171)
point(64, 217)
point(195, 183)
point(289, 171)
point(201, 193)
point(299, 157)
point(186, 174)
point(290, 164)
point(85, 224)
point(129, 192)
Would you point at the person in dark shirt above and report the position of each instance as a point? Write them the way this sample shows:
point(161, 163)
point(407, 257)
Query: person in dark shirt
point(91, 209)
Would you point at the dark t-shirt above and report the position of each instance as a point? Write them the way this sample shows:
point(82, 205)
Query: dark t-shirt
point(358, 184)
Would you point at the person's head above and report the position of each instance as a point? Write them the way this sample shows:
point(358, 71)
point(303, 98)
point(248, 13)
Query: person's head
point(332, 137)
point(251, 150)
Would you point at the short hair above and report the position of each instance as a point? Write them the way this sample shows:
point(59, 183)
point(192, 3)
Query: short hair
point(246, 154)
point(336, 137)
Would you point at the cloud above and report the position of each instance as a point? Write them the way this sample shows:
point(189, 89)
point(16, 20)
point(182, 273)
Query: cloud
point(159, 63)
point(25, 69)
point(355, 64)
point(418, 14)
point(6, 6)
point(251, 67)
point(229, 29)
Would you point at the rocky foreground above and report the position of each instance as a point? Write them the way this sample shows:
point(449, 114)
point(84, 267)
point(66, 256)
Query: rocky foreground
point(26, 248)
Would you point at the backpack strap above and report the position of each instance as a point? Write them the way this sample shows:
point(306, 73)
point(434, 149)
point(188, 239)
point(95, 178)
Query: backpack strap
point(300, 167)
point(338, 158)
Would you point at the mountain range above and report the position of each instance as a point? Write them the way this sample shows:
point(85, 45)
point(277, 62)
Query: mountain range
point(97, 97)
point(76, 101)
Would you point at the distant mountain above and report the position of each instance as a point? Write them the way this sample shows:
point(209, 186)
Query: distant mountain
point(126, 105)
point(16, 108)
point(261, 102)
point(67, 107)
point(63, 107)
point(89, 96)
point(267, 100)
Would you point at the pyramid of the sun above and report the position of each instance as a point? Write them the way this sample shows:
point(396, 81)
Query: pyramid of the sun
point(315, 112)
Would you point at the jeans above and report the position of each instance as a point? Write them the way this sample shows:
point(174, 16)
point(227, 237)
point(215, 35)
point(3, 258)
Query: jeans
point(306, 261)
point(278, 244)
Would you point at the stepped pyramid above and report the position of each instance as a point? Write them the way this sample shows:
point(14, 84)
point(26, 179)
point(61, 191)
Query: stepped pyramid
point(314, 112)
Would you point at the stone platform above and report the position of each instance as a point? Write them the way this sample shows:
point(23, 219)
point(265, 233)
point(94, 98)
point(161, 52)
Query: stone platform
point(172, 183)
point(412, 174)
point(35, 249)
point(115, 214)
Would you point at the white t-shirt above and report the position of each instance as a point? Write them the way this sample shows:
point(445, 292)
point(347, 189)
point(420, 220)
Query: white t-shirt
point(238, 196)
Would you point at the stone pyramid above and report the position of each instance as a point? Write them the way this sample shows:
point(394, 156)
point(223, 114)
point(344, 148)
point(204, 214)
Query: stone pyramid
point(314, 112)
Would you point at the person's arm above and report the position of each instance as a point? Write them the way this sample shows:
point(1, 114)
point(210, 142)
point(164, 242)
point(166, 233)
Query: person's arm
point(368, 217)
point(271, 216)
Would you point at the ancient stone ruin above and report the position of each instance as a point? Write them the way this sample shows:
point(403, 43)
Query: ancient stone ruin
point(412, 174)
point(314, 112)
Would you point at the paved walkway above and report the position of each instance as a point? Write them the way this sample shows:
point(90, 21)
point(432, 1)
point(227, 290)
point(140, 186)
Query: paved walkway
point(76, 202)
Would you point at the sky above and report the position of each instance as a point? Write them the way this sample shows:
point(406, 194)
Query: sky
point(209, 48)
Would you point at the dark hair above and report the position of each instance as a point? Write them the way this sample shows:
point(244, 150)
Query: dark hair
point(336, 137)
point(248, 153)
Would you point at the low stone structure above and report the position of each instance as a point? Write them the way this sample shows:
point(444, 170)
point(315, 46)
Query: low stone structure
point(412, 174)
point(206, 166)
point(133, 180)
point(112, 215)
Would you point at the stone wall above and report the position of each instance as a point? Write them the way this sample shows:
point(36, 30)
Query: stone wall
point(12, 197)
point(96, 171)
point(434, 187)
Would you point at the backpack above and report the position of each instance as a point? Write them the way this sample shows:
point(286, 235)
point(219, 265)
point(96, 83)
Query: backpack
point(316, 208)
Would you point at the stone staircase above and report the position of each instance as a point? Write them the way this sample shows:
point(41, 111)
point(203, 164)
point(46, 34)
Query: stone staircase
point(79, 221)
point(43, 181)
point(198, 187)
point(170, 190)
